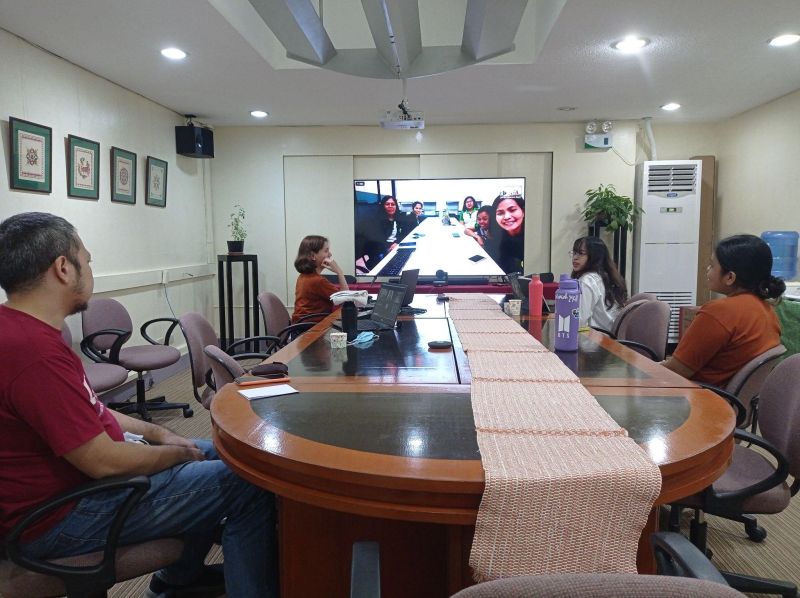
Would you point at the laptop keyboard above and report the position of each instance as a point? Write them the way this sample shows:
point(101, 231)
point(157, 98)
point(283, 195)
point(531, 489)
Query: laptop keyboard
point(398, 261)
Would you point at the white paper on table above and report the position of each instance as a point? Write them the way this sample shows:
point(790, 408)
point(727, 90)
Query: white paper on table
point(263, 392)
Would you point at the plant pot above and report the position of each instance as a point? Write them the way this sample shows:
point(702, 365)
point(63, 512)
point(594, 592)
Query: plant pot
point(235, 246)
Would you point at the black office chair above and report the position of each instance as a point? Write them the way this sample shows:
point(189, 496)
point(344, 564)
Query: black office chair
point(87, 574)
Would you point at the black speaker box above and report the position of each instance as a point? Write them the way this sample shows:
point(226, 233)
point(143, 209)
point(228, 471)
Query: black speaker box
point(194, 142)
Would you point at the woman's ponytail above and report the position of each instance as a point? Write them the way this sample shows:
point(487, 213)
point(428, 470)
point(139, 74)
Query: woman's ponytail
point(772, 288)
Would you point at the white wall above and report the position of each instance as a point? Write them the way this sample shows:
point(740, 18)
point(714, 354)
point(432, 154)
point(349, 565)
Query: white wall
point(249, 170)
point(130, 244)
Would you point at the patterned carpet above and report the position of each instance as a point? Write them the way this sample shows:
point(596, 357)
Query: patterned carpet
point(776, 557)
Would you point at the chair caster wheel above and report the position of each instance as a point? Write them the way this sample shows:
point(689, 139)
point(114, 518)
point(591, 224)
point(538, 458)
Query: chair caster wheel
point(756, 533)
point(188, 412)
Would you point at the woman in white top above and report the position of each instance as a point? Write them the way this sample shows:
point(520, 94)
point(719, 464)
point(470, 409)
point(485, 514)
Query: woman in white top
point(603, 290)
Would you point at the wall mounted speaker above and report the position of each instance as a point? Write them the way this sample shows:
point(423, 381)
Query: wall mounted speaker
point(194, 142)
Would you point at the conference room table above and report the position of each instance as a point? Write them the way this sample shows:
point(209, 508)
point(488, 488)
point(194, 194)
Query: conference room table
point(380, 444)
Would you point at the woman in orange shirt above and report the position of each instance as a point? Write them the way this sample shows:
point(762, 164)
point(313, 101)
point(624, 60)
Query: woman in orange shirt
point(729, 332)
point(312, 291)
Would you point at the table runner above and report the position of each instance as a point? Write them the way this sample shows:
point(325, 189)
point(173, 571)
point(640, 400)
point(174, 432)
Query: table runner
point(566, 490)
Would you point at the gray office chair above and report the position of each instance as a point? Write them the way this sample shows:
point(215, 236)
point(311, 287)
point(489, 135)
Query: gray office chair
point(88, 574)
point(752, 484)
point(642, 296)
point(224, 368)
point(645, 329)
point(624, 313)
point(277, 321)
point(199, 333)
point(106, 328)
point(684, 572)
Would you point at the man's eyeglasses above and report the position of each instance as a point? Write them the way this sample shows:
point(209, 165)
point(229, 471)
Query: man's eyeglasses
point(578, 253)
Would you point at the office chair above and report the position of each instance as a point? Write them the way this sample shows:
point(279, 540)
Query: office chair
point(277, 321)
point(642, 296)
point(348, 278)
point(199, 333)
point(224, 368)
point(106, 328)
point(683, 572)
point(624, 313)
point(101, 376)
point(87, 574)
point(752, 484)
point(645, 329)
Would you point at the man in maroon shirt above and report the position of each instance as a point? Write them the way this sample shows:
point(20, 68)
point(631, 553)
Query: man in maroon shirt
point(58, 435)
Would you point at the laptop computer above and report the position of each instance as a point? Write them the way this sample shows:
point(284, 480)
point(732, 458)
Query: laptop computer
point(409, 279)
point(384, 311)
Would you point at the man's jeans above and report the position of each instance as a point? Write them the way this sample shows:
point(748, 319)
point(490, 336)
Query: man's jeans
point(188, 501)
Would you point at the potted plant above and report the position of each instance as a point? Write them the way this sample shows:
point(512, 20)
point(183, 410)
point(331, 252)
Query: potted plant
point(607, 208)
point(238, 231)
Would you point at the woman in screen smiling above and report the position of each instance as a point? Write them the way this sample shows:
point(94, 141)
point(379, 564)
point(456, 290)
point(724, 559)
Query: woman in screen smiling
point(481, 231)
point(312, 290)
point(603, 290)
point(508, 248)
point(727, 333)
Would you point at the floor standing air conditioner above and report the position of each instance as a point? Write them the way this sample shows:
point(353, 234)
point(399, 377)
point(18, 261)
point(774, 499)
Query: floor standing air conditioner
point(667, 236)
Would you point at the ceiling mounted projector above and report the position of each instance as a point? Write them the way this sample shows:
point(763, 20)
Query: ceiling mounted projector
point(403, 118)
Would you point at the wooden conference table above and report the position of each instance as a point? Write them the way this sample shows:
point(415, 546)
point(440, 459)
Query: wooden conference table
point(380, 444)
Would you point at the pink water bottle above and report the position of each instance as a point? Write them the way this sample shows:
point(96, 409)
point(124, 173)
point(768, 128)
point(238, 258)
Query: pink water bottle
point(568, 303)
point(535, 293)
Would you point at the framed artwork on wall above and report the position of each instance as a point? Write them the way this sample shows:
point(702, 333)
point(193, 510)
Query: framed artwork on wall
point(123, 175)
point(83, 175)
point(31, 156)
point(156, 190)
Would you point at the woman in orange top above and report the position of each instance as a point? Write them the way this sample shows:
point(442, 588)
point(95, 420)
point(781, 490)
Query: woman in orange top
point(729, 332)
point(312, 291)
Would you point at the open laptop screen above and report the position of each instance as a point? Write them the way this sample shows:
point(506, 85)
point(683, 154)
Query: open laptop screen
point(387, 305)
point(409, 279)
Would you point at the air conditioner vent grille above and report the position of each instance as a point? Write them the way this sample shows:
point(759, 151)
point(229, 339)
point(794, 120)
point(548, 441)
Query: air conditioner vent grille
point(676, 301)
point(678, 178)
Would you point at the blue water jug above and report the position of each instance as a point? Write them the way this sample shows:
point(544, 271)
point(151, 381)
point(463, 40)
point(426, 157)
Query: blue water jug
point(568, 305)
point(783, 244)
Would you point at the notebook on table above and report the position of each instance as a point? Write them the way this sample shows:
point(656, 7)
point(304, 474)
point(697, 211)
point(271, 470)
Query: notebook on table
point(384, 311)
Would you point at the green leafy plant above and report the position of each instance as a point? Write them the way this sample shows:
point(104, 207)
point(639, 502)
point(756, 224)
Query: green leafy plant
point(238, 232)
point(615, 211)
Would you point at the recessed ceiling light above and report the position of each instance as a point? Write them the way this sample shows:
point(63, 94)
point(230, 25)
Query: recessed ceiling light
point(173, 53)
point(259, 113)
point(784, 40)
point(566, 108)
point(630, 44)
point(671, 106)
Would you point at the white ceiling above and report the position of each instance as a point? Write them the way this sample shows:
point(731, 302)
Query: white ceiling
point(711, 56)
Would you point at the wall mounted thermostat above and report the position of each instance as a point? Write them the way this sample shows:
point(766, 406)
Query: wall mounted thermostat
point(601, 141)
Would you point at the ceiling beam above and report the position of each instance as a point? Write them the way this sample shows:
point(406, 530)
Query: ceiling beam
point(396, 31)
point(490, 27)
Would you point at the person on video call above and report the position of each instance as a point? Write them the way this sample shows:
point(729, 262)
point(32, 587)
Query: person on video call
point(57, 436)
point(727, 333)
point(385, 232)
point(603, 290)
point(312, 291)
point(417, 212)
point(481, 232)
point(468, 213)
point(508, 232)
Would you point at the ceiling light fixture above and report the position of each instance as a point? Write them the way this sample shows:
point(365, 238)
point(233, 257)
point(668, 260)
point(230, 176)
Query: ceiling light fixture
point(605, 126)
point(671, 106)
point(784, 40)
point(630, 44)
point(259, 113)
point(173, 53)
point(591, 127)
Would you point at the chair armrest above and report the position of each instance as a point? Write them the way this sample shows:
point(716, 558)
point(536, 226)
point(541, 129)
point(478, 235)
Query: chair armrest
point(93, 353)
point(273, 342)
point(738, 407)
point(776, 477)
point(288, 333)
point(173, 323)
point(75, 577)
point(678, 557)
point(316, 317)
point(635, 345)
point(604, 331)
point(365, 570)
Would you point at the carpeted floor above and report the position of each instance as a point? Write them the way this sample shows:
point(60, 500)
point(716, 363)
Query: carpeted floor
point(776, 557)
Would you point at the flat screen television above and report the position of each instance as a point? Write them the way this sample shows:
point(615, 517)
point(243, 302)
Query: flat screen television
point(431, 225)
